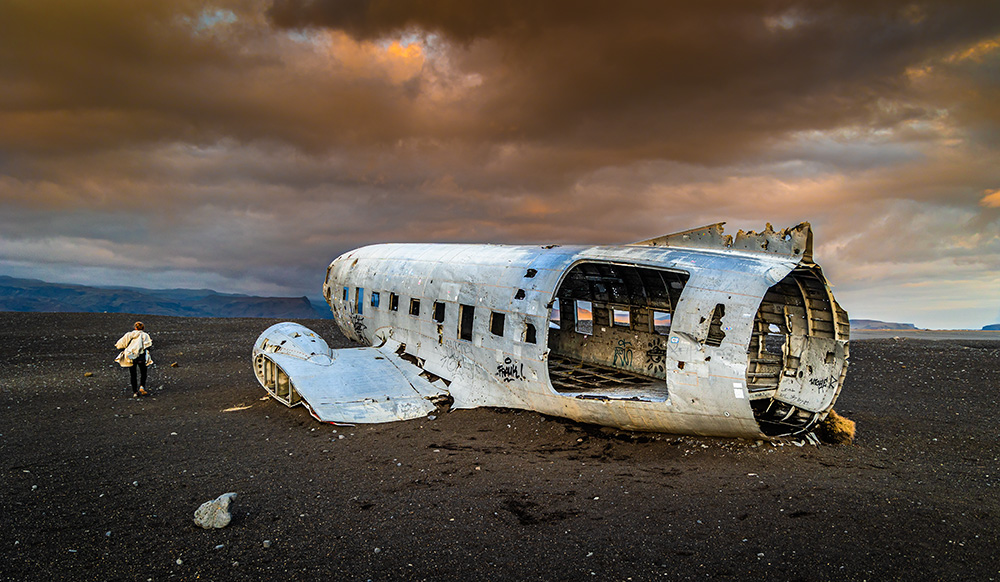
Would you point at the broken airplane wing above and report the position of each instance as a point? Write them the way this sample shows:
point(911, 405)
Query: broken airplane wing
point(695, 332)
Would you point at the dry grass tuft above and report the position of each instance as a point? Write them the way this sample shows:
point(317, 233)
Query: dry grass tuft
point(836, 430)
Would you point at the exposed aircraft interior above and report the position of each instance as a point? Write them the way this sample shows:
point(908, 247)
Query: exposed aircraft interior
point(609, 329)
point(610, 325)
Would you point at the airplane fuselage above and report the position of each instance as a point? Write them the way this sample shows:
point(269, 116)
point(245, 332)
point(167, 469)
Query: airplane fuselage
point(669, 335)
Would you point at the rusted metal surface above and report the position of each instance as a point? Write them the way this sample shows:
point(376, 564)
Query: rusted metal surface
point(694, 333)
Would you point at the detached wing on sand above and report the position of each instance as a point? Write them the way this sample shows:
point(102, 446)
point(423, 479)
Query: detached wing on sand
point(356, 385)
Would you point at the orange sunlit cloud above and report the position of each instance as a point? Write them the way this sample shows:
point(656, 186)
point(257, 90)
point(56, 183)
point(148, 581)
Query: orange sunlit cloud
point(991, 198)
point(976, 52)
point(362, 59)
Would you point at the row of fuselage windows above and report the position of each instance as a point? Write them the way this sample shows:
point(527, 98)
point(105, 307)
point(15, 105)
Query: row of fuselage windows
point(583, 317)
point(466, 314)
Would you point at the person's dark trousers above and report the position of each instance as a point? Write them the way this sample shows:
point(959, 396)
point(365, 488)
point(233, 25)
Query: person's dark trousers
point(140, 363)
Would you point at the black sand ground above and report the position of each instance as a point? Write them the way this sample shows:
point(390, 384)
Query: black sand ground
point(99, 486)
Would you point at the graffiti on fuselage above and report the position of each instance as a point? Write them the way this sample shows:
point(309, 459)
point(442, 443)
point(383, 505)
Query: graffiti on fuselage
point(656, 355)
point(510, 370)
point(623, 354)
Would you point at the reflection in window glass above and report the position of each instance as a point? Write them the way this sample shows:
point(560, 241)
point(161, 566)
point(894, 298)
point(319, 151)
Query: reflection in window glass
point(584, 317)
point(661, 322)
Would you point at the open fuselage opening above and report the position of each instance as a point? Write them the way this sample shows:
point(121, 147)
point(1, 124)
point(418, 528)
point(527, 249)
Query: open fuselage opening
point(796, 355)
point(608, 331)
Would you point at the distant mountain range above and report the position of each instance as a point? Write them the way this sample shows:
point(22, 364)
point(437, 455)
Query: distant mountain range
point(874, 324)
point(33, 295)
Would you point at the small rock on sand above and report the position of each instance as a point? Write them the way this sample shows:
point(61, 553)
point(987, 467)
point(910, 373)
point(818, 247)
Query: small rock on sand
point(215, 513)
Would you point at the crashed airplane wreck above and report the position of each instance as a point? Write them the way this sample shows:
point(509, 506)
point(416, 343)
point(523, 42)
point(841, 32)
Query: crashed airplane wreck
point(690, 333)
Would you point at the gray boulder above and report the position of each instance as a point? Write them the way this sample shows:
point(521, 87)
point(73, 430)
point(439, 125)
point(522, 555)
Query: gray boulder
point(215, 513)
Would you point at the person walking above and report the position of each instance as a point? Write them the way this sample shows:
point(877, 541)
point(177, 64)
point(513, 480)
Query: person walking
point(135, 355)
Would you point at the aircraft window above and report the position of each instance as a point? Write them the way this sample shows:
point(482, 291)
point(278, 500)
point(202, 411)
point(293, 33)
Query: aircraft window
point(529, 334)
point(360, 300)
point(661, 322)
point(415, 307)
point(620, 318)
point(584, 317)
point(375, 299)
point(467, 315)
point(345, 293)
point(519, 294)
point(554, 318)
point(531, 273)
point(496, 323)
point(439, 311)
point(393, 302)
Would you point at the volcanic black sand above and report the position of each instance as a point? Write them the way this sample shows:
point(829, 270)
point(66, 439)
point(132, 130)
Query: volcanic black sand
point(99, 486)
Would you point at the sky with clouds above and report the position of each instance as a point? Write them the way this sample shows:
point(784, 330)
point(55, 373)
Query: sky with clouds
point(242, 145)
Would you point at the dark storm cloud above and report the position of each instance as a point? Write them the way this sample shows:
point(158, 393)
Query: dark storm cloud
point(80, 76)
point(691, 81)
point(701, 82)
